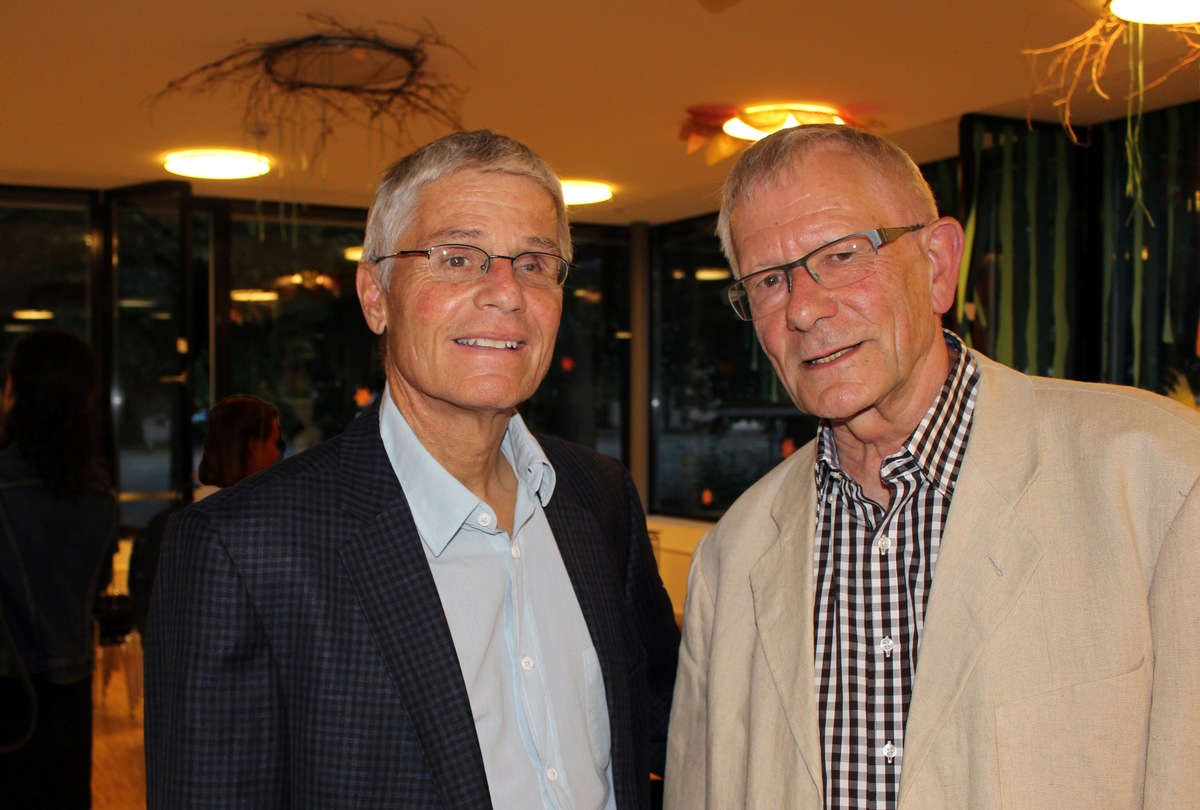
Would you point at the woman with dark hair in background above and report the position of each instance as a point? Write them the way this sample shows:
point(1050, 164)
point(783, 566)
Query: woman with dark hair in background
point(243, 438)
point(58, 532)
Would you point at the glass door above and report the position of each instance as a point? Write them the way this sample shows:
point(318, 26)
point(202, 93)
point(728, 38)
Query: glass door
point(148, 249)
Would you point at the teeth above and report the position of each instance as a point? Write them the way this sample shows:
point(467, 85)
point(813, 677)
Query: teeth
point(829, 358)
point(489, 344)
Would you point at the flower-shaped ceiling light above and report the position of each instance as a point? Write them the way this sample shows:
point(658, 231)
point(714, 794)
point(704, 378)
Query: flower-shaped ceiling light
point(724, 130)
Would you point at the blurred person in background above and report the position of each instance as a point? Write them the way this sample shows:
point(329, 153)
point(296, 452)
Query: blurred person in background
point(58, 532)
point(243, 438)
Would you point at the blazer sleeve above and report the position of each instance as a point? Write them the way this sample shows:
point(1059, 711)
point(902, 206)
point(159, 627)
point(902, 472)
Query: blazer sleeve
point(688, 752)
point(213, 719)
point(659, 635)
point(1172, 780)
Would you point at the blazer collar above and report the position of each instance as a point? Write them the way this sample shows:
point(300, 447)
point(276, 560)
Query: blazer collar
point(587, 554)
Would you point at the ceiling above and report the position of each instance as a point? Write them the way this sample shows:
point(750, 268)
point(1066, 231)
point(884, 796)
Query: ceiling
point(599, 89)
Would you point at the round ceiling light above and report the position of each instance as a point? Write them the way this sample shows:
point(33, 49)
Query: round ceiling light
point(757, 122)
point(217, 164)
point(585, 192)
point(1157, 12)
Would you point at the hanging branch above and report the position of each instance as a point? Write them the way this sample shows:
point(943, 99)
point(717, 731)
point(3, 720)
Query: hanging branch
point(1083, 60)
point(1085, 55)
point(319, 80)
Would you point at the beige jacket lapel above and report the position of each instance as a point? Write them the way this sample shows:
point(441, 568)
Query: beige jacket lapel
point(985, 559)
point(782, 586)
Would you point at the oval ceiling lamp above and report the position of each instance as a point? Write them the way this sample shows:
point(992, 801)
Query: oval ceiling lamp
point(1157, 12)
point(758, 121)
point(585, 192)
point(217, 164)
point(32, 315)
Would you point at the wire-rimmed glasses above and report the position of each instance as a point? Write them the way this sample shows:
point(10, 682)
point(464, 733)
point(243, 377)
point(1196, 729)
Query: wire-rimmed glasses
point(457, 263)
point(835, 264)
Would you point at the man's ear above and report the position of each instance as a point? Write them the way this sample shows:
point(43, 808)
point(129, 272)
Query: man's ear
point(944, 248)
point(372, 297)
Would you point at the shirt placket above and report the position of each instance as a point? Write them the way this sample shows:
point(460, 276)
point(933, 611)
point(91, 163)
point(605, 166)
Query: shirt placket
point(891, 552)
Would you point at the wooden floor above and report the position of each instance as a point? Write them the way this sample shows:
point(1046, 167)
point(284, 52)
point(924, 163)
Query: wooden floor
point(118, 756)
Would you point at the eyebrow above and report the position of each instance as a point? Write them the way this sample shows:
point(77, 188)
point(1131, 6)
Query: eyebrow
point(535, 242)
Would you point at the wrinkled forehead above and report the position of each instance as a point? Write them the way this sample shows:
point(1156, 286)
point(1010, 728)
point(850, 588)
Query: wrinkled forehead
point(473, 190)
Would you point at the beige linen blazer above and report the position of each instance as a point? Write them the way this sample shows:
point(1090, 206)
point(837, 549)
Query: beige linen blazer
point(1060, 659)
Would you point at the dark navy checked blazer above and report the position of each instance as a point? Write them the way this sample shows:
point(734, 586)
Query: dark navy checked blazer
point(297, 654)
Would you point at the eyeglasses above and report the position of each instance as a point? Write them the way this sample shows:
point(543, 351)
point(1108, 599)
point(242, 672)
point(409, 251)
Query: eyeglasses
point(457, 263)
point(835, 264)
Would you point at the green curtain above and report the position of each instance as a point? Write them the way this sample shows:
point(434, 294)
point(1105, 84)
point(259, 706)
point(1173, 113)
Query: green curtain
point(1022, 257)
point(1081, 262)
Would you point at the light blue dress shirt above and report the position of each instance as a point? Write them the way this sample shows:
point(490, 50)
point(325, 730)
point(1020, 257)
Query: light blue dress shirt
point(531, 672)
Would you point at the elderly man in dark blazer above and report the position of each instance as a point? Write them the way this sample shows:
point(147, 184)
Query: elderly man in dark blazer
point(435, 609)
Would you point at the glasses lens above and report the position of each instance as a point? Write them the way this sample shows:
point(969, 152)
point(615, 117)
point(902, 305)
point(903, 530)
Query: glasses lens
point(738, 300)
point(844, 262)
point(540, 269)
point(457, 262)
point(759, 294)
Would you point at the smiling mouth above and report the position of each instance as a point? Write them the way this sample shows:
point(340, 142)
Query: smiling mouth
point(829, 358)
point(484, 343)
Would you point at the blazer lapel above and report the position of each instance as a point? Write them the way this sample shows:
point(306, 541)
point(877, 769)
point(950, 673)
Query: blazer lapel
point(586, 557)
point(395, 587)
point(985, 559)
point(782, 585)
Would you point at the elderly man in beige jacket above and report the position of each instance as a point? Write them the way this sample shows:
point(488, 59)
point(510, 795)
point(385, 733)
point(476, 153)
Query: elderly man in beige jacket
point(975, 588)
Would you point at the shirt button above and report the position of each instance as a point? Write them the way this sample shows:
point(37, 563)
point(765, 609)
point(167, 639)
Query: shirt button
point(885, 543)
point(515, 551)
point(484, 519)
point(527, 663)
point(887, 645)
point(889, 751)
point(552, 774)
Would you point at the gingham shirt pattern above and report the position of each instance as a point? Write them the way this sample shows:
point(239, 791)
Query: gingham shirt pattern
point(873, 568)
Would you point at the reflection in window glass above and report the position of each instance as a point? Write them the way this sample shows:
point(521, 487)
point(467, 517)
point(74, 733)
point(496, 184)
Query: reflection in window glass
point(297, 338)
point(150, 347)
point(585, 395)
point(721, 418)
point(44, 245)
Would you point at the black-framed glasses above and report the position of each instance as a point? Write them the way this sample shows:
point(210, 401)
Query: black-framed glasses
point(456, 263)
point(835, 264)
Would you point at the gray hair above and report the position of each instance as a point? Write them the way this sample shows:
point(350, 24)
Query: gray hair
point(398, 195)
point(760, 166)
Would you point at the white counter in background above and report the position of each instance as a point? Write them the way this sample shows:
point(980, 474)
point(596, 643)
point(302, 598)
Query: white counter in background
point(673, 540)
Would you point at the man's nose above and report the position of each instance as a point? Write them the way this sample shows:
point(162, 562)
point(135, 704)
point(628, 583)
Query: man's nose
point(808, 302)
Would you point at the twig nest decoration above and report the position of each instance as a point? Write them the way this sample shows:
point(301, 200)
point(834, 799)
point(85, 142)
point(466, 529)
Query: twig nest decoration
point(350, 64)
point(303, 87)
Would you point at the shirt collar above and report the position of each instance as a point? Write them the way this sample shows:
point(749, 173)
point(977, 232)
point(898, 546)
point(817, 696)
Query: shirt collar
point(937, 444)
point(440, 504)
